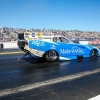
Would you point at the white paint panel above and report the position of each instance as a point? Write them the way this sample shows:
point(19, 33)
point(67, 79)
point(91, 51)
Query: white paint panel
point(95, 98)
point(83, 42)
point(10, 45)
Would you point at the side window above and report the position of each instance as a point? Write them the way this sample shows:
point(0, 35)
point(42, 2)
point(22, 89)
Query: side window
point(55, 39)
point(64, 40)
point(58, 39)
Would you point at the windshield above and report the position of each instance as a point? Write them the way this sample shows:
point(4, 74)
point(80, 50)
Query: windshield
point(61, 39)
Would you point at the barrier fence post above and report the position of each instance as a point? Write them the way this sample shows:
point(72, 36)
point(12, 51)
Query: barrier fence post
point(1, 45)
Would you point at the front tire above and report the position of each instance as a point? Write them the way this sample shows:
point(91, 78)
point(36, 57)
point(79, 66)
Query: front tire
point(94, 53)
point(51, 56)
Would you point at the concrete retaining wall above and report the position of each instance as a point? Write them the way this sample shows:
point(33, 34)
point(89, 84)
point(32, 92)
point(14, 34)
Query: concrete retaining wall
point(14, 44)
point(10, 45)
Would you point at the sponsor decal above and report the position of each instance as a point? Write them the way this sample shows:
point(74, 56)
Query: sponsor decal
point(38, 34)
point(34, 38)
point(29, 38)
point(53, 46)
point(74, 50)
point(27, 33)
point(33, 34)
point(36, 52)
point(38, 43)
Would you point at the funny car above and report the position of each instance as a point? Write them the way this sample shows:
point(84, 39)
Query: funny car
point(55, 48)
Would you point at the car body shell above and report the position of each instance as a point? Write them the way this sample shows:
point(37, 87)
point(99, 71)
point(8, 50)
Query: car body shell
point(65, 50)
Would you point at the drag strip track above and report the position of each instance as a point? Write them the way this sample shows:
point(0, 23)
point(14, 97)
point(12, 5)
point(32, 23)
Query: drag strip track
point(32, 79)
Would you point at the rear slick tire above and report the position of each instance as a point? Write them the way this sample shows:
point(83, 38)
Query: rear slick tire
point(51, 56)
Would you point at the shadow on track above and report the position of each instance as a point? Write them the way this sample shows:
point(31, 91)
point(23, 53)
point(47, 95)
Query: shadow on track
point(38, 62)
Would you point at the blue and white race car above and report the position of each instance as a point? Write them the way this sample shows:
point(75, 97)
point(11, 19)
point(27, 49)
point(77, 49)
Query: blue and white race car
point(55, 48)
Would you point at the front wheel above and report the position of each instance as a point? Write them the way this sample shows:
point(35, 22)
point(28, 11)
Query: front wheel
point(93, 53)
point(51, 56)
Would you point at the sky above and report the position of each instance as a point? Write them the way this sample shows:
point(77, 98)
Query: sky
point(82, 15)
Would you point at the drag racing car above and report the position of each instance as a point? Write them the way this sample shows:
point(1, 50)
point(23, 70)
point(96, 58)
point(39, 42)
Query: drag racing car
point(55, 48)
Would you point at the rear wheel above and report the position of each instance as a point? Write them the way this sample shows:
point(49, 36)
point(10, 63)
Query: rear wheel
point(51, 56)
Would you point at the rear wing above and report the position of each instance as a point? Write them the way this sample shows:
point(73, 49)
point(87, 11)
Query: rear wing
point(33, 36)
point(28, 36)
point(24, 38)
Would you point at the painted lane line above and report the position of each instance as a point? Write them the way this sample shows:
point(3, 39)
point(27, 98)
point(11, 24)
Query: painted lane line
point(45, 83)
point(95, 98)
point(10, 57)
point(10, 53)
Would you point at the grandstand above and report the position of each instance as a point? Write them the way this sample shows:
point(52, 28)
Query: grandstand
point(8, 33)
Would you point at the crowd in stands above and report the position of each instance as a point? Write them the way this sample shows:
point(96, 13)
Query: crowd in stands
point(8, 33)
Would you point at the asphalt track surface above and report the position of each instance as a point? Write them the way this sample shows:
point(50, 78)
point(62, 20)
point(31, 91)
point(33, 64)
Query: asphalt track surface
point(33, 79)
